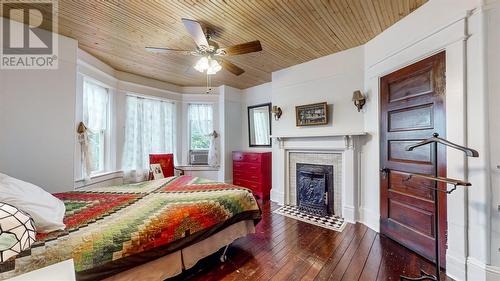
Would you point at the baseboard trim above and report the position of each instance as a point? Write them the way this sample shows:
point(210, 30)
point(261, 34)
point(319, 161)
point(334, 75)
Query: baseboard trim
point(455, 267)
point(492, 272)
point(349, 214)
point(370, 219)
point(477, 270)
point(278, 197)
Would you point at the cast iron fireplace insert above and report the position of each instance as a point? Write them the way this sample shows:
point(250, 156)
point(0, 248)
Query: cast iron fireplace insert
point(315, 189)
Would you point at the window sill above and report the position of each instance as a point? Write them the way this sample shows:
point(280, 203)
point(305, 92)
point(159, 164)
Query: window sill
point(197, 168)
point(97, 178)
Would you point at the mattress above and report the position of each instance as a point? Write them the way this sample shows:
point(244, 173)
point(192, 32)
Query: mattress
point(113, 229)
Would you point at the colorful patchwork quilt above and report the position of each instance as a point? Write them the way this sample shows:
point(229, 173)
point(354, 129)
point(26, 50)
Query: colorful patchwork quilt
point(112, 229)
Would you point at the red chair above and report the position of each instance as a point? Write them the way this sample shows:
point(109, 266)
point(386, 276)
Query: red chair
point(166, 162)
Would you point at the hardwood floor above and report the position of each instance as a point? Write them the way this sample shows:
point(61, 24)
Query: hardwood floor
point(287, 249)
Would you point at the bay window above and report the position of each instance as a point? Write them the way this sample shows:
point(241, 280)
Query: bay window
point(200, 122)
point(149, 128)
point(200, 126)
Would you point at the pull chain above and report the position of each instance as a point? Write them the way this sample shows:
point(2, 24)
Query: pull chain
point(209, 84)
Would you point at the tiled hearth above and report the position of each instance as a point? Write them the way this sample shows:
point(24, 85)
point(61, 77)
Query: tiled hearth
point(316, 158)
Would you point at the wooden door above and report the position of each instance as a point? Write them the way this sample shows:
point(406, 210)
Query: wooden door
point(412, 109)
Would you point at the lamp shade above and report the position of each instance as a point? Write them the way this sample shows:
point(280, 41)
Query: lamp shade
point(17, 231)
point(202, 64)
point(357, 96)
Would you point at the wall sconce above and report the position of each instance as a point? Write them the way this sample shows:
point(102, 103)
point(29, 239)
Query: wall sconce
point(277, 112)
point(358, 99)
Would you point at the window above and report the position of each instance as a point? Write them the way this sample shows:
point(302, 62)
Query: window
point(200, 126)
point(95, 117)
point(149, 128)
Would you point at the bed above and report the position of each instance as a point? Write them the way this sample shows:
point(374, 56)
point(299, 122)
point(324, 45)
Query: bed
point(153, 229)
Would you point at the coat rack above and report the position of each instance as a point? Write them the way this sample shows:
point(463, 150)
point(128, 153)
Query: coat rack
point(435, 140)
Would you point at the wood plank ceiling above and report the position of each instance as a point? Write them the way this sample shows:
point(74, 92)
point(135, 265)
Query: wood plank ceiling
point(291, 32)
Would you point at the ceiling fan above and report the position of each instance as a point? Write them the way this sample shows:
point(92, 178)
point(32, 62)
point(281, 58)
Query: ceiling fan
point(211, 54)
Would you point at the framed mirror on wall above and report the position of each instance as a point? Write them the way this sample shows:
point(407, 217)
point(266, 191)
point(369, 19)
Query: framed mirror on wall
point(259, 125)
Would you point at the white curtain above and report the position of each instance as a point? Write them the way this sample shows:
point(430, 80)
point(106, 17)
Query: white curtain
point(201, 117)
point(86, 155)
point(95, 116)
point(261, 127)
point(95, 103)
point(149, 128)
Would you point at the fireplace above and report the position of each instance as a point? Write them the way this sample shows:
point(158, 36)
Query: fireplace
point(339, 151)
point(314, 188)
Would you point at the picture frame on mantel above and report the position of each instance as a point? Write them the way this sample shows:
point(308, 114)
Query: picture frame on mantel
point(311, 114)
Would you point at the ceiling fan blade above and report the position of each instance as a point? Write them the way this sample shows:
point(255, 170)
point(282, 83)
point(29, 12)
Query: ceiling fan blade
point(229, 66)
point(167, 50)
point(244, 48)
point(196, 32)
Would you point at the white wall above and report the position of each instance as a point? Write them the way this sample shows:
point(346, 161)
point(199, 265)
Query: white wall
point(260, 94)
point(493, 58)
point(231, 130)
point(37, 114)
point(332, 79)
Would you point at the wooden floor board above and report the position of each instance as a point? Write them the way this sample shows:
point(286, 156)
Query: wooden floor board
point(286, 249)
point(372, 265)
point(358, 261)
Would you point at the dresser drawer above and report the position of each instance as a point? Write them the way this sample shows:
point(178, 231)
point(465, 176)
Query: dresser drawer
point(247, 157)
point(249, 176)
point(256, 187)
point(247, 167)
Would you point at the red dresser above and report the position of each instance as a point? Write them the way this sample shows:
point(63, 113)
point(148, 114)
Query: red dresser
point(253, 170)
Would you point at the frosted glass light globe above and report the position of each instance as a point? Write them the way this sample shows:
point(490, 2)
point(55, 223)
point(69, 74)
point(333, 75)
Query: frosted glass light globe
point(202, 64)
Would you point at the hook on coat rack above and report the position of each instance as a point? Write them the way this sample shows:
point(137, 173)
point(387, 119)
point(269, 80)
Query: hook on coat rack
point(435, 138)
point(453, 182)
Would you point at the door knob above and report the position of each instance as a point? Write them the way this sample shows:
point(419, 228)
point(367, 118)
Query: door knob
point(385, 172)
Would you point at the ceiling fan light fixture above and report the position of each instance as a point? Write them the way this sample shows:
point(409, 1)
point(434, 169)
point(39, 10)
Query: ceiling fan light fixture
point(208, 64)
point(202, 64)
point(206, 49)
point(214, 67)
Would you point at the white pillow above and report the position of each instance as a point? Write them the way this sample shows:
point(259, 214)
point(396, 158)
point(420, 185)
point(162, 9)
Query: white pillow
point(46, 210)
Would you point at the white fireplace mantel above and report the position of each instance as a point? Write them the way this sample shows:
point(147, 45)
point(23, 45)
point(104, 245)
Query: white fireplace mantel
point(342, 143)
point(341, 134)
point(346, 135)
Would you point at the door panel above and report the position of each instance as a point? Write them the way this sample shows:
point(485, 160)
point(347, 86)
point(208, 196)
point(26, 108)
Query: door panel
point(397, 152)
point(411, 118)
point(411, 86)
point(414, 217)
point(412, 109)
point(399, 183)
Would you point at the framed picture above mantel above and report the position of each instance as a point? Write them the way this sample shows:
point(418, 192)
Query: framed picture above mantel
point(311, 114)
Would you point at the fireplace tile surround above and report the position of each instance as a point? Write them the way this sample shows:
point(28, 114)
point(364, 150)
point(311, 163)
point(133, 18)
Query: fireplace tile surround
point(339, 150)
